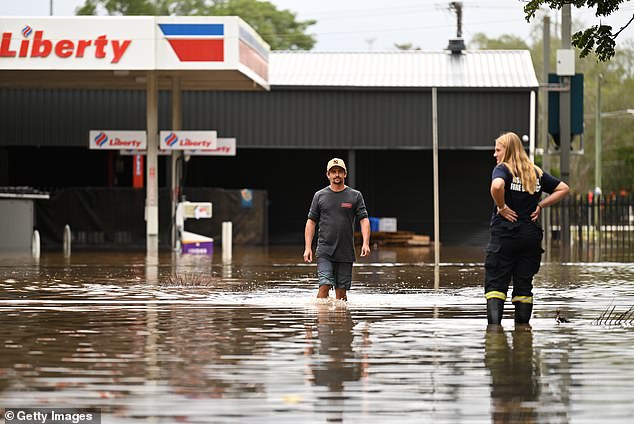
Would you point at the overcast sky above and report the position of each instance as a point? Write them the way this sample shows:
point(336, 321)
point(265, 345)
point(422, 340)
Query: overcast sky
point(359, 25)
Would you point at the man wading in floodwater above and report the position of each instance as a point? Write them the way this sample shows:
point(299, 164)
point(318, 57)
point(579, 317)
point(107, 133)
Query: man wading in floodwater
point(334, 208)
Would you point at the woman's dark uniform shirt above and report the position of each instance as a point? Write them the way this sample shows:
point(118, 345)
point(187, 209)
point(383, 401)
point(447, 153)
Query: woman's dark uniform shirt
point(518, 199)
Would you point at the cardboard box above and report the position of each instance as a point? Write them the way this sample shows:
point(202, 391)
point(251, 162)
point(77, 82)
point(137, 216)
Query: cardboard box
point(387, 225)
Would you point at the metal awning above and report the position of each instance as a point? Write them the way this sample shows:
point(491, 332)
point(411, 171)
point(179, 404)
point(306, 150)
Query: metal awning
point(129, 80)
point(205, 53)
point(134, 52)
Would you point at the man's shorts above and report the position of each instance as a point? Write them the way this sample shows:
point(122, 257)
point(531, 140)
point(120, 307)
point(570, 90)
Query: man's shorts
point(335, 274)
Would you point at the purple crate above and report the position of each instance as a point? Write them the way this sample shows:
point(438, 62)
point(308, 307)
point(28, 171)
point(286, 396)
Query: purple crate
point(199, 248)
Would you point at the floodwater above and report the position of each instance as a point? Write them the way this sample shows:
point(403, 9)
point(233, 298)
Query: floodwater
point(190, 339)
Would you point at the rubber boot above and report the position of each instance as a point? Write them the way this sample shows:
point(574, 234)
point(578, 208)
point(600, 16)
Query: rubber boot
point(523, 312)
point(495, 308)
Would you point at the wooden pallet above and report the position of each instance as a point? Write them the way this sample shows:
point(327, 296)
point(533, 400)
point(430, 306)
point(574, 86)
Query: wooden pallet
point(396, 238)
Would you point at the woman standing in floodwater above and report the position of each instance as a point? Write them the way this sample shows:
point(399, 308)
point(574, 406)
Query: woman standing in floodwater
point(514, 249)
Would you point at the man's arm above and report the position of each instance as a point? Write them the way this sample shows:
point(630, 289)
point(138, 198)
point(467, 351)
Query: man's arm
point(309, 233)
point(365, 233)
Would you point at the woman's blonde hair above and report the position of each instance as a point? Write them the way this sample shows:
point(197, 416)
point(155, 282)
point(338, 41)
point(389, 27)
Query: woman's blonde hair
point(517, 161)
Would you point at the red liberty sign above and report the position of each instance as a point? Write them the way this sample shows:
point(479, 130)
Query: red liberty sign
point(131, 43)
point(101, 47)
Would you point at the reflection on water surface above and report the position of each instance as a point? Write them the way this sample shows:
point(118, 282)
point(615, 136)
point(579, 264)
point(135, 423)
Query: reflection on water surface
point(172, 339)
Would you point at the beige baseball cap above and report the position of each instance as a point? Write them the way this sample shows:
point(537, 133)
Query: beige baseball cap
point(336, 162)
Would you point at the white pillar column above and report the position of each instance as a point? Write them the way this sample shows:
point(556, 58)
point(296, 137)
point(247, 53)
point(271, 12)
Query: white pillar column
point(151, 199)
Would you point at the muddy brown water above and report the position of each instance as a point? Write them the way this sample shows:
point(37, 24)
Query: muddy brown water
point(190, 339)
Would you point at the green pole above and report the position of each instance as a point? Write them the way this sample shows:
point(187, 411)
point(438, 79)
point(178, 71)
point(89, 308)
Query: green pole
point(597, 140)
point(597, 167)
point(564, 131)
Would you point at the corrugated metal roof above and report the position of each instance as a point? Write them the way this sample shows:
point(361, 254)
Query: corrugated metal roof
point(472, 68)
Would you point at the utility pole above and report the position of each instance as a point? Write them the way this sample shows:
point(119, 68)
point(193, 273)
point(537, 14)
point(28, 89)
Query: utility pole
point(544, 128)
point(545, 72)
point(50, 7)
point(457, 7)
point(598, 136)
point(597, 140)
point(564, 130)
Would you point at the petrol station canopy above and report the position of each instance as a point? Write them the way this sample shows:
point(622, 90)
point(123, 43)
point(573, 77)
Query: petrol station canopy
point(147, 53)
point(205, 53)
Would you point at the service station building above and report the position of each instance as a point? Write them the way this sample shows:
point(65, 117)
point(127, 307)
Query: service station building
point(287, 112)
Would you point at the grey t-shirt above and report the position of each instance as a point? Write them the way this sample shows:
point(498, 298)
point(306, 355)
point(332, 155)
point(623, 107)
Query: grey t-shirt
point(334, 212)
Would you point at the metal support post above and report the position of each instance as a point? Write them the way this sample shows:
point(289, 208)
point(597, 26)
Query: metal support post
point(544, 133)
point(565, 132)
point(598, 140)
point(151, 200)
point(176, 170)
point(434, 108)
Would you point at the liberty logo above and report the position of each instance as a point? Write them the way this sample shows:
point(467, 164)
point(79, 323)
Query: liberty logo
point(27, 31)
point(101, 139)
point(196, 42)
point(171, 139)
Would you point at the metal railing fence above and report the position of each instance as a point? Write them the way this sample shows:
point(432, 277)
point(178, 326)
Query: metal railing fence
point(601, 227)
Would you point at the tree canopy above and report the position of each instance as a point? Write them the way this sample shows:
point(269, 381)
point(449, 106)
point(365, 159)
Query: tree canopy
point(406, 46)
point(617, 90)
point(598, 38)
point(279, 28)
point(504, 42)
